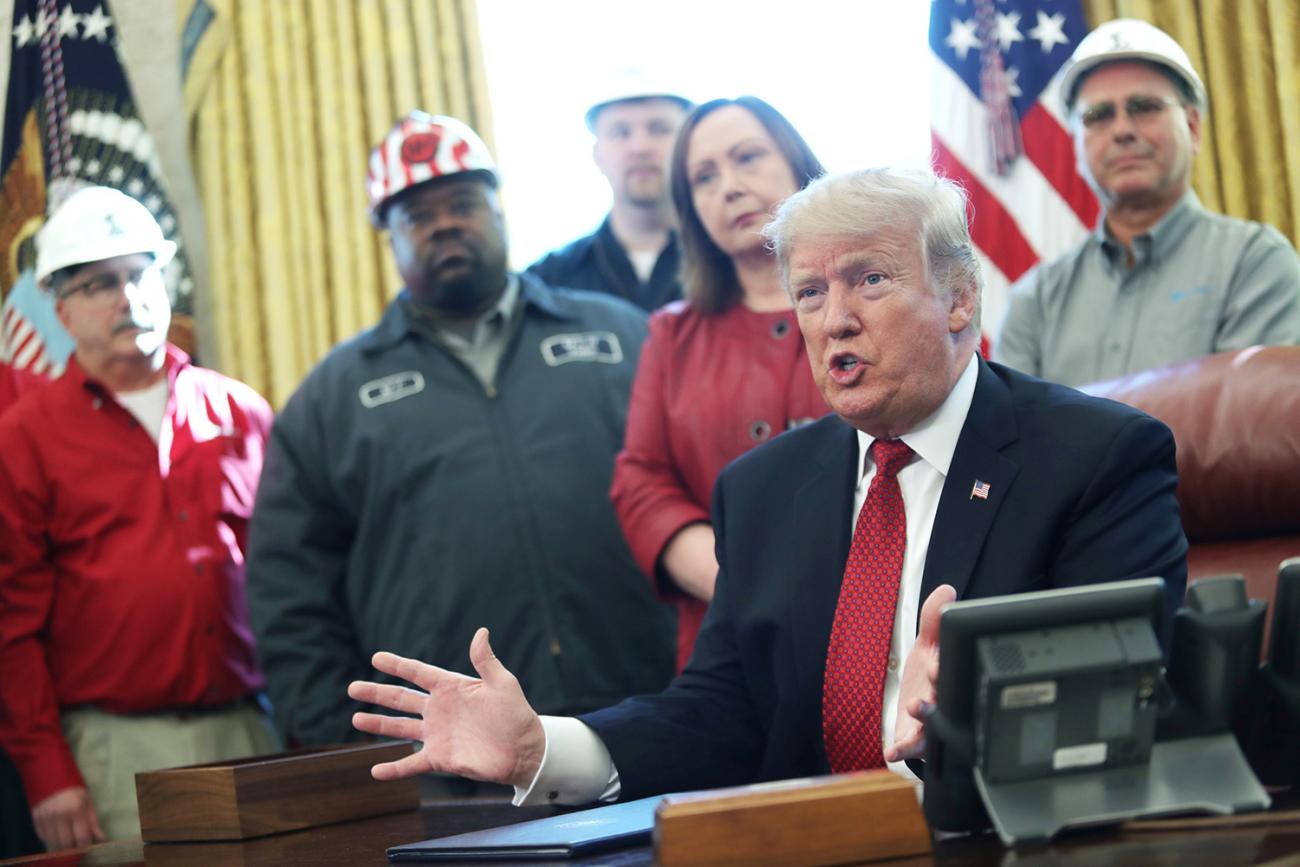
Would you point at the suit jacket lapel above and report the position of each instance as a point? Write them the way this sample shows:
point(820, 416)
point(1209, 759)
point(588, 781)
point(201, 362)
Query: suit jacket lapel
point(823, 523)
point(963, 519)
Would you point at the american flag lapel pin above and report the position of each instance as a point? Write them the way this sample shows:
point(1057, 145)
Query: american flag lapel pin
point(980, 490)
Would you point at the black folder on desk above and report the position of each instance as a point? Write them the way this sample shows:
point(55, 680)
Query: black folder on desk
point(570, 835)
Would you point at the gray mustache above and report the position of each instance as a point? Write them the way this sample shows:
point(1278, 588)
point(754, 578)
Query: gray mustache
point(129, 324)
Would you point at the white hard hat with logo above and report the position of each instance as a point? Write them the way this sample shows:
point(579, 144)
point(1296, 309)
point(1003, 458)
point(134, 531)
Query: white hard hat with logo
point(1128, 39)
point(94, 224)
point(420, 148)
point(628, 86)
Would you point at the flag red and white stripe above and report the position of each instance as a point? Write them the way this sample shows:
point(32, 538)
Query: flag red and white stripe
point(998, 127)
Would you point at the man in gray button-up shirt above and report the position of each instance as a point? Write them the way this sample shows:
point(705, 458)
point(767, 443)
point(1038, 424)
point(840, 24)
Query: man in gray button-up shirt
point(1161, 280)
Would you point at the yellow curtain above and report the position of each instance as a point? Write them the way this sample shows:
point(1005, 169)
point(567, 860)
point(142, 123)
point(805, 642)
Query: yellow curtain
point(1248, 53)
point(287, 97)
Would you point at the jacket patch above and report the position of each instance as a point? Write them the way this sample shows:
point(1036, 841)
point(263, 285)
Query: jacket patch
point(387, 389)
point(601, 346)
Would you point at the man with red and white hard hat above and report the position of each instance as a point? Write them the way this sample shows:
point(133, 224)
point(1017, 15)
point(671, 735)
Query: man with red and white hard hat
point(1161, 280)
point(634, 254)
point(125, 491)
point(451, 467)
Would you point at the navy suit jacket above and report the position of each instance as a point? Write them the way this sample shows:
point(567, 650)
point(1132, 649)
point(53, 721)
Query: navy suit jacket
point(1081, 491)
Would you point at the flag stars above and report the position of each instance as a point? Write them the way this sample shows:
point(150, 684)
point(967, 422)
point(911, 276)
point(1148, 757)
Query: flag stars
point(43, 22)
point(116, 174)
point(96, 24)
point(153, 202)
point(1008, 30)
point(135, 187)
point(1012, 78)
point(1049, 31)
point(92, 168)
point(67, 25)
point(24, 32)
point(68, 22)
point(74, 165)
point(962, 37)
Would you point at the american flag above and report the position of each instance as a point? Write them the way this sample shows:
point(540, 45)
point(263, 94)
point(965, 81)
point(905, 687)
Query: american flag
point(980, 490)
point(69, 120)
point(998, 127)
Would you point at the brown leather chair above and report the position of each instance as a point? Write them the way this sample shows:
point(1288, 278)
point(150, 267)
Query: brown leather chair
point(1236, 419)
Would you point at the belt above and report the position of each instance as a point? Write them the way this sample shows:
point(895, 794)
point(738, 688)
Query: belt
point(253, 699)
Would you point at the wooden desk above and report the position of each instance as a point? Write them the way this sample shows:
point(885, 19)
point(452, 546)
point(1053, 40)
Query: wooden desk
point(363, 843)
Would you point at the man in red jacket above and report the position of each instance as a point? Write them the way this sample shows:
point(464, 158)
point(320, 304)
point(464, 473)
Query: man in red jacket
point(125, 491)
point(14, 382)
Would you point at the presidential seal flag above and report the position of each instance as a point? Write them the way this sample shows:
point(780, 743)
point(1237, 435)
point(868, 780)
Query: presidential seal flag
point(998, 127)
point(69, 121)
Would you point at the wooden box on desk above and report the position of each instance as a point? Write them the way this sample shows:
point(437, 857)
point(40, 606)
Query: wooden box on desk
point(268, 794)
point(854, 818)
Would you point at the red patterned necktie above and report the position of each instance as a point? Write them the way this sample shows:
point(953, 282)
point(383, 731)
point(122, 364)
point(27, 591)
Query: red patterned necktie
point(854, 686)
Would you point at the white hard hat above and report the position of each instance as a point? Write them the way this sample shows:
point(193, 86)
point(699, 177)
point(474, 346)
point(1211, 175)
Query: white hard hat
point(1128, 39)
point(97, 223)
point(419, 148)
point(628, 86)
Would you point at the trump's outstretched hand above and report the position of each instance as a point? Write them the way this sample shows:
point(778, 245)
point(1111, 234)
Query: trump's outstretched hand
point(482, 728)
point(920, 672)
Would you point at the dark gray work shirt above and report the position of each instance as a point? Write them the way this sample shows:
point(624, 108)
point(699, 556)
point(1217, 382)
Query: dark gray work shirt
point(1200, 283)
point(598, 262)
point(403, 505)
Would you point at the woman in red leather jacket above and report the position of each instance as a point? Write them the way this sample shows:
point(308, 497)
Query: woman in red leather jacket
point(725, 369)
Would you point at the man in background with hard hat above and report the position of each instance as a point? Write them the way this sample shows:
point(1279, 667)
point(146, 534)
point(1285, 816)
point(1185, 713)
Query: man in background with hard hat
point(451, 467)
point(1161, 280)
point(634, 254)
point(125, 491)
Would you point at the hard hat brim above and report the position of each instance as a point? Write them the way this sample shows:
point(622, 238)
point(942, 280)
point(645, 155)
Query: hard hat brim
point(594, 112)
point(163, 252)
point(1073, 78)
point(378, 213)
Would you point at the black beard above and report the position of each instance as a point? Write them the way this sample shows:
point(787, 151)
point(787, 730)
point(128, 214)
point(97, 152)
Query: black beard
point(467, 294)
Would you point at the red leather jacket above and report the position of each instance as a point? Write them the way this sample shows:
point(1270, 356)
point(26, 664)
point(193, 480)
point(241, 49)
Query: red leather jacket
point(708, 389)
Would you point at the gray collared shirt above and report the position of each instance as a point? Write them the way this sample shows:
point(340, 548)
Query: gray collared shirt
point(1200, 283)
point(479, 343)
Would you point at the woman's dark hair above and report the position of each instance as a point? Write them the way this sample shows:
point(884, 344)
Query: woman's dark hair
point(708, 275)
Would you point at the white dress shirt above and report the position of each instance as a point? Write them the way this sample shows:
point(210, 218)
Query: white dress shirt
point(921, 481)
point(576, 767)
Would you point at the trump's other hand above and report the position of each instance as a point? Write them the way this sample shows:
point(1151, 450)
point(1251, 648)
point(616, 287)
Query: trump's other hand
point(920, 673)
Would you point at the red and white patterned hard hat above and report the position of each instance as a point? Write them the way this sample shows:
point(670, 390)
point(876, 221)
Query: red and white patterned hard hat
point(423, 147)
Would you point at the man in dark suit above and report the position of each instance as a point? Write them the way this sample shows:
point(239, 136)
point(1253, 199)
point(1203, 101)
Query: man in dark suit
point(967, 480)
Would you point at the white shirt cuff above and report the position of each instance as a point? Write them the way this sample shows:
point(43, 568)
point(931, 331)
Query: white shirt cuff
point(576, 767)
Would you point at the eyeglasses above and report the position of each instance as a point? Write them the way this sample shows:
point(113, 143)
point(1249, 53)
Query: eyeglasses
point(107, 284)
point(1139, 108)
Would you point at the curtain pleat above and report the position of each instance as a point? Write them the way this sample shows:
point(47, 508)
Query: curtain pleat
point(1248, 54)
point(1283, 26)
point(298, 94)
